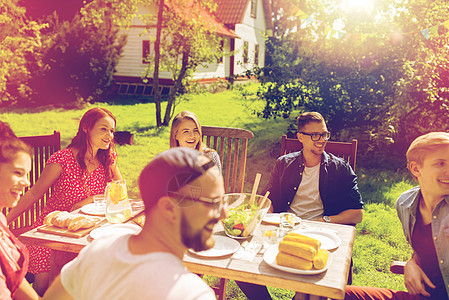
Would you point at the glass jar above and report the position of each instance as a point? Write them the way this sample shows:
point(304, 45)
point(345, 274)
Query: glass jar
point(118, 208)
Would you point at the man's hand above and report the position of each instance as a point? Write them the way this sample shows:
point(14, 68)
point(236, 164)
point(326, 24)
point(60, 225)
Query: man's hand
point(415, 278)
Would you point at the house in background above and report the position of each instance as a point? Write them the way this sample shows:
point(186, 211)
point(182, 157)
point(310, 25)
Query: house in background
point(243, 26)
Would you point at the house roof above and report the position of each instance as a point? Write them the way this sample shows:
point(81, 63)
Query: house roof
point(232, 12)
point(204, 16)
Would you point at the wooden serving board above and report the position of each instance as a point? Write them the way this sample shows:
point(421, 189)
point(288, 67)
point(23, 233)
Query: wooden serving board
point(68, 233)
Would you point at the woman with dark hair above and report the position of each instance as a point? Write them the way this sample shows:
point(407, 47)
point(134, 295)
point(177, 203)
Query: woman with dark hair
point(186, 132)
point(15, 164)
point(76, 174)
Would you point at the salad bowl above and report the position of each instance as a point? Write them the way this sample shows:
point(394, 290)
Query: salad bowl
point(244, 214)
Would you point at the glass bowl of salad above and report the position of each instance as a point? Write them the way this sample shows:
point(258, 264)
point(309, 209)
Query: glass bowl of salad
point(244, 214)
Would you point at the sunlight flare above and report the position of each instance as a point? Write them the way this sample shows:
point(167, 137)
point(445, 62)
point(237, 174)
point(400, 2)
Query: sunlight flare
point(358, 4)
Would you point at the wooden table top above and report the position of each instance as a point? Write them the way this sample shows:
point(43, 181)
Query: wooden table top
point(330, 283)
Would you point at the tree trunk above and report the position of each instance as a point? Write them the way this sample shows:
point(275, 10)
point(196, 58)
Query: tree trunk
point(176, 87)
point(157, 55)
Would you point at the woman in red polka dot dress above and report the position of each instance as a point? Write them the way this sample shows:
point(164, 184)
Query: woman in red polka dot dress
point(76, 174)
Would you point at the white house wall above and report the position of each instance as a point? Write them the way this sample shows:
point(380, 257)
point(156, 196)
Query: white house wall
point(216, 70)
point(251, 30)
point(130, 65)
point(131, 62)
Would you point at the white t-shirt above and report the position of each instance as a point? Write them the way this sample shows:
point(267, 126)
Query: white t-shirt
point(107, 270)
point(307, 203)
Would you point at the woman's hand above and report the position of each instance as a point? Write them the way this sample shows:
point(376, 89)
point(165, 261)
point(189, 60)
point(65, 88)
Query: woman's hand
point(83, 202)
point(415, 279)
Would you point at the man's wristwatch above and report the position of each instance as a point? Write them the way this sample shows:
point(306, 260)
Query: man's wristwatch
point(327, 219)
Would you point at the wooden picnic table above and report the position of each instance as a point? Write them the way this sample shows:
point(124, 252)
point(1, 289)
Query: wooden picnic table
point(330, 283)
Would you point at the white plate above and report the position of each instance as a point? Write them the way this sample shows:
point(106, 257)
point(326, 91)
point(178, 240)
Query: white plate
point(223, 246)
point(270, 258)
point(115, 229)
point(90, 209)
point(329, 240)
point(275, 219)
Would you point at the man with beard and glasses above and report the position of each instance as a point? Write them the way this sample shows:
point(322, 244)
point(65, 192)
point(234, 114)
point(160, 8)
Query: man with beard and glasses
point(183, 194)
point(313, 184)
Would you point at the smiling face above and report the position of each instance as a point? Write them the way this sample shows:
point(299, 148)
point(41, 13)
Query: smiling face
point(102, 133)
point(433, 172)
point(187, 134)
point(316, 148)
point(198, 220)
point(13, 178)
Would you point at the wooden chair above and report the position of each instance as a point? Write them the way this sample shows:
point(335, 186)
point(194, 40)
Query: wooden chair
point(232, 146)
point(348, 151)
point(43, 147)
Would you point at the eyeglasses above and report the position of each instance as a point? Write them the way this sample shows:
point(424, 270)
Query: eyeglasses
point(316, 136)
point(216, 203)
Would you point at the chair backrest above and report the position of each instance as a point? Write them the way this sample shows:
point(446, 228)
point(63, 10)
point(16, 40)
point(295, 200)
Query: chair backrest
point(43, 147)
point(347, 151)
point(232, 146)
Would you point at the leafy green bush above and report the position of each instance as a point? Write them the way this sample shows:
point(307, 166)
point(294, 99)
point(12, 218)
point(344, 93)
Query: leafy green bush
point(78, 63)
point(20, 43)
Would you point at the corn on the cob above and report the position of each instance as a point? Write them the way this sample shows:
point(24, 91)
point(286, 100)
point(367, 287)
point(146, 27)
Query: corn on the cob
point(291, 261)
point(299, 238)
point(303, 251)
point(320, 260)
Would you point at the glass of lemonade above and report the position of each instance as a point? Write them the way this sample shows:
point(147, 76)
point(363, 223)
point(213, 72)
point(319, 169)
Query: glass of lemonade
point(118, 207)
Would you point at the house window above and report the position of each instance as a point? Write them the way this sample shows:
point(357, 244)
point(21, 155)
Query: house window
point(146, 52)
point(254, 8)
point(131, 89)
point(245, 52)
point(220, 59)
point(256, 54)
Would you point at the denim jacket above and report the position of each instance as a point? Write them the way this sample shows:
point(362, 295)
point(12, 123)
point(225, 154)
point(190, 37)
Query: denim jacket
point(407, 205)
point(337, 183)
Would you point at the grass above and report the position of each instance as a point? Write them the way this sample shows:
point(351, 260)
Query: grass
point(379, 237)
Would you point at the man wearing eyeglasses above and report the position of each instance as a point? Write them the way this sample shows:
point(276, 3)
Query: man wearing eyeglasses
point(313, 184)
point(183, 194)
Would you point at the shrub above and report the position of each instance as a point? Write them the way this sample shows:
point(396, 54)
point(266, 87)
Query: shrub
point(78, 62)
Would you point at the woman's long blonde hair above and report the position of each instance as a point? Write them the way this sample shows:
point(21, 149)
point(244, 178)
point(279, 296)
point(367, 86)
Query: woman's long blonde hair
point(175, 126)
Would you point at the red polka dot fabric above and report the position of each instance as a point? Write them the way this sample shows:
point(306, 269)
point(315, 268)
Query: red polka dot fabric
point(71, 187)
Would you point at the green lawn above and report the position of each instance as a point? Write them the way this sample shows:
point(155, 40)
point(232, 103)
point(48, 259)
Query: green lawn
point(379, 237)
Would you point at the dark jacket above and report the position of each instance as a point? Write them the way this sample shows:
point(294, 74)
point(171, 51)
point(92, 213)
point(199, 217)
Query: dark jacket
point(337, 185)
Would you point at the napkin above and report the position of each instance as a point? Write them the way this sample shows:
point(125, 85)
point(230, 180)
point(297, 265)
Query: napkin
point(247, 251)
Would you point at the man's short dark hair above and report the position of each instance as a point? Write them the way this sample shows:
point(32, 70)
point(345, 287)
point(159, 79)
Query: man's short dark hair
point(307, 117)
point(169, 171)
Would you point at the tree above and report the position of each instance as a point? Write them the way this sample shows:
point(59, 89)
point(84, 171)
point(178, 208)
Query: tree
point(181, 26)
point(78, 62)
point(382, 77)
point(20, 41)
point(157, 59)
point(49, 61)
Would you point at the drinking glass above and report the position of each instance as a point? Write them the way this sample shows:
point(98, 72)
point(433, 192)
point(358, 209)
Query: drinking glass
point(287, 222)
point(100, 203)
